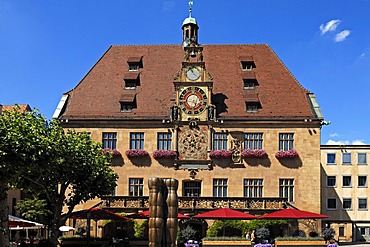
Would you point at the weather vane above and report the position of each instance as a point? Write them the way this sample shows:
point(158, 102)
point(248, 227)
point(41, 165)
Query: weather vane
point(190, 7)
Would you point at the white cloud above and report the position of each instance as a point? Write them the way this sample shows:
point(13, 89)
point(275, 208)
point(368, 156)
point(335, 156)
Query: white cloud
point(363, 55)
point(339, 37)
point(329, 26)
point(334, 135)
point(345, 142)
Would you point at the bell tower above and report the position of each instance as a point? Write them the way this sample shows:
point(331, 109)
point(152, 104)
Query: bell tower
point(192, 112)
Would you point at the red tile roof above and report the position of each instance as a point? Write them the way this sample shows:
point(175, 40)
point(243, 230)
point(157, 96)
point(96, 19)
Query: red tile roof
point(22, 108)
point(98, 94)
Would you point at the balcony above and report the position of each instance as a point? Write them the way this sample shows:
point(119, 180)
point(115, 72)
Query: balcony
point(195, 205)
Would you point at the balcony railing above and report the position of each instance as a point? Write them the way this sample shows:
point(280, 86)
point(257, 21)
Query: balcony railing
point(198, 204)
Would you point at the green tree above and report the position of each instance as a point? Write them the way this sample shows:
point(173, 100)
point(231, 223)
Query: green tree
point(67, 168)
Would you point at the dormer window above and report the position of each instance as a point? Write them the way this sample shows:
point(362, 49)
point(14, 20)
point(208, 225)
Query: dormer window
point(126, 106)
point(252, 106)
point(130, 84)
point(250, 83)
point(134, 63)
point(133, 67)
point(131, 80)
point(127, 102)
point(247, 63)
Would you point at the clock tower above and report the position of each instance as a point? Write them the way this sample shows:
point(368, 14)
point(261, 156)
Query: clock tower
point(193, 111)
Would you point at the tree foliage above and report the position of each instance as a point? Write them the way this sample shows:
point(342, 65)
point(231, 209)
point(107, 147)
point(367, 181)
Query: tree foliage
point(65, 167)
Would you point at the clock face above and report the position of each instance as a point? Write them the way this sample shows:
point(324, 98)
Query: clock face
point(193, 73)
point(193, 100)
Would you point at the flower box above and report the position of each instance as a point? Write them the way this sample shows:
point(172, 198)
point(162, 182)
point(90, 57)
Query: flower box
point(286, 154)
point(136, 153)
point(256, 153)
point(221, 154)
point(113, 152)
point(157, 154)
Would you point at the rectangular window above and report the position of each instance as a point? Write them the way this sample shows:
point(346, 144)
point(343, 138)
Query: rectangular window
point(330, 158)
point(136, 186)
point(362, 158)
point(341, 231)
point(286, 189)
point(347, 203)
point(164, 141)
point(220, 187)
point(362, 203)
point(253, 187)
point(286, 141)
point(219, 141)
point(252, 106)
point(126, 106)
point(346, 158)
point(331, 181)
point(110, 140)
point(130, 84)
point(347, 181)
point(192, 188)
point(253, 141)
point(331, 203)
point(250, 83)
point(137, 140)
point(362, 181)
point(133, 66)
point(248, 65)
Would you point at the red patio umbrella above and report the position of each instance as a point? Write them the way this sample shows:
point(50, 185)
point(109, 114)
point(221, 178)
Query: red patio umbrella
point(225, 214)
point(145, 214)
point(290, 213)
point(97, 214)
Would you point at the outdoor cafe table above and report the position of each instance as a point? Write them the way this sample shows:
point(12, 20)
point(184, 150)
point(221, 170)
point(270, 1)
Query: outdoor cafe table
point(262, 245)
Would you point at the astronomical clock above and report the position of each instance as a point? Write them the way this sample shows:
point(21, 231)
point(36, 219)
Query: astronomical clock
point(194, 111)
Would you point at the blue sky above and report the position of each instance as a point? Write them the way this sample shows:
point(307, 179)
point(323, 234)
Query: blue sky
point(46, 47)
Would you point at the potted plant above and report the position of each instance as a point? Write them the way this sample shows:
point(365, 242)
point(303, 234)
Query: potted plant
point(282, 154)
point(255, 153)
point(157, 154)
point(262, 234)
point(221, 154)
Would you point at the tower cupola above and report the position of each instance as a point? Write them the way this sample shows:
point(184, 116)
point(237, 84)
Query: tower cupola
point(190, 28)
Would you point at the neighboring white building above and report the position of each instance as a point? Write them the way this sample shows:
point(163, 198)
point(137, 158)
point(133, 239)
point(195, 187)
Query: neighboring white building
point(345, 192)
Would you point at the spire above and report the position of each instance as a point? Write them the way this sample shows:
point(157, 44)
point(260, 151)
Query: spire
point(190, 28)
point(190, 8)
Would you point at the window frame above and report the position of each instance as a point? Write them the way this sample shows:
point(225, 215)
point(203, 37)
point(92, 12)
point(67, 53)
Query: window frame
point(334, 200)
point(358, 203)
point(254, 141)
point(247, 65)
point(192, 188)
point(286, 141)
point(253, 187)
point(327, 181)
point(287, 190)
point(126, 106)
point(164, 142)
point(358, 158)
point(327, 158)
point(358, 181)
point(220, 141)
point(137, 142)
point(343, 204)
point(252, 106)
point(345, 157)
point(136, 186)
point(109, 141)
point(220, 187)
point(343, 180)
